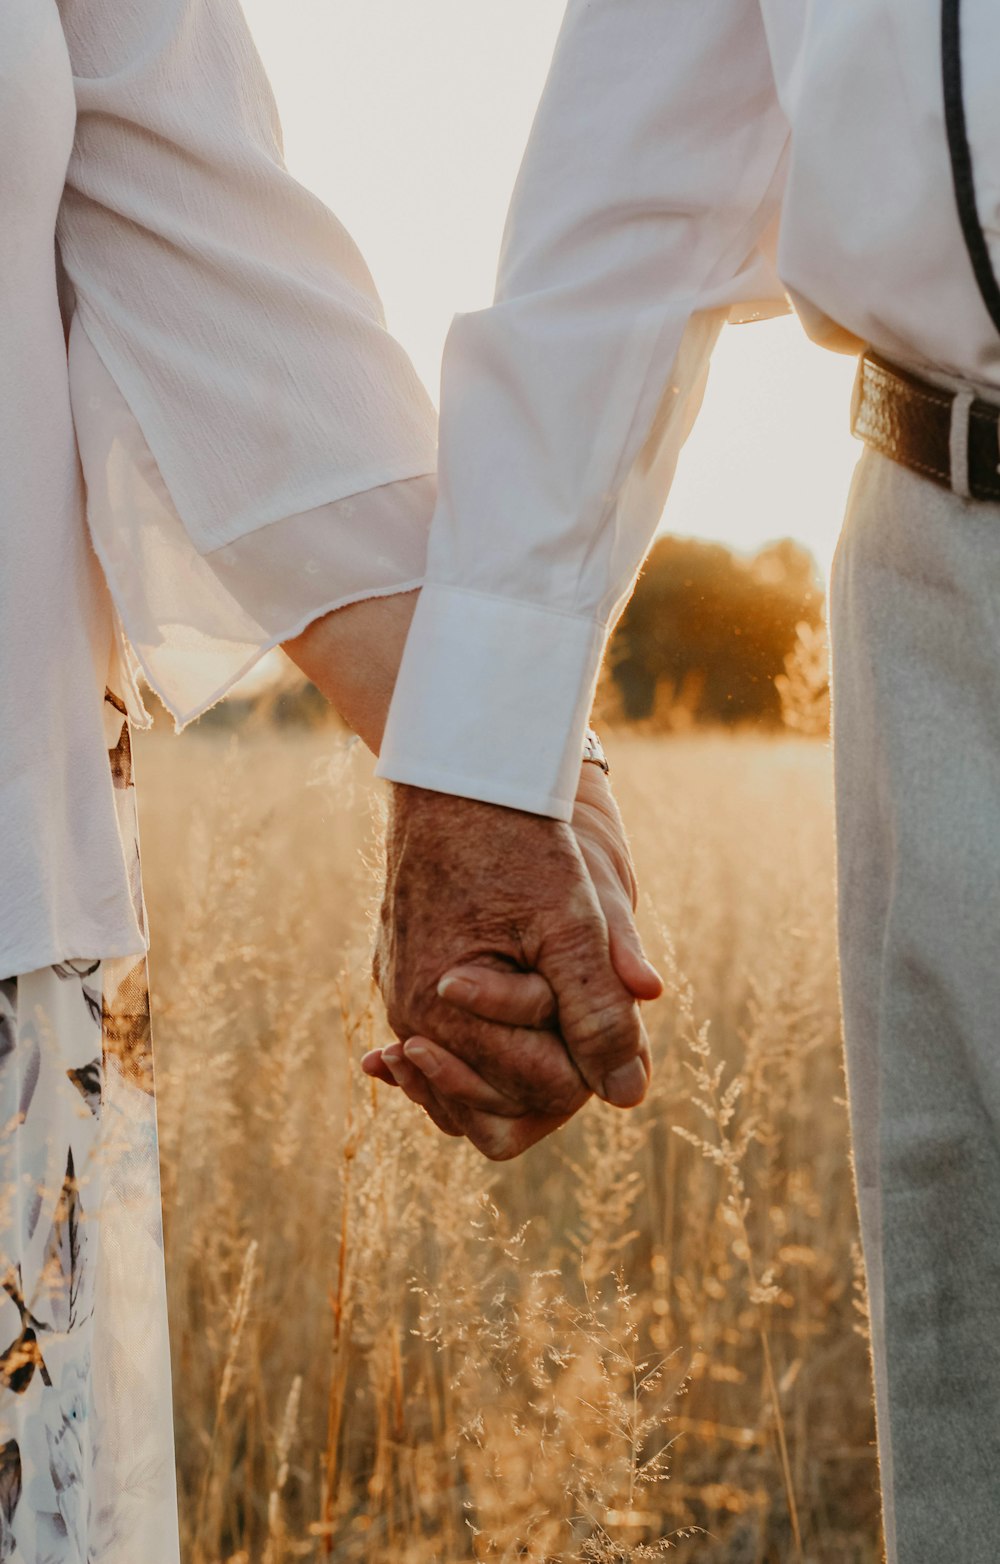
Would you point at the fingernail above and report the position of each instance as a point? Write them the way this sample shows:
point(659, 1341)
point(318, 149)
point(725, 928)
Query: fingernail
point(396, 1067)
point(626, 1086)
point(459, 990)
point(370, 1061)
point(422, 1057)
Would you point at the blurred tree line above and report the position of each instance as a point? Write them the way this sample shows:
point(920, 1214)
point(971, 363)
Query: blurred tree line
point(712, 637)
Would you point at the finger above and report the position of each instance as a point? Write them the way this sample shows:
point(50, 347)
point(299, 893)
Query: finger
point(512, 998)
point(456, 1081)
point(639, 976)
point(530, 1069)
point(417, 1088)
point(598, 1016)
point(374, 1065)
point(600, 832)
point(499, 1137)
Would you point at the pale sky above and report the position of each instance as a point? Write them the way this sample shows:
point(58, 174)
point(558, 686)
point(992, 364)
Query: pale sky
point(409, 118)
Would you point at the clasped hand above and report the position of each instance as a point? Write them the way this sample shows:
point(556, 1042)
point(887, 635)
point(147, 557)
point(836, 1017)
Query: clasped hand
point(510, 964)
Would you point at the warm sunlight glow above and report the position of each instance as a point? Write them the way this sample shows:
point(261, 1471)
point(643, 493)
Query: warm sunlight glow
point(410, 120)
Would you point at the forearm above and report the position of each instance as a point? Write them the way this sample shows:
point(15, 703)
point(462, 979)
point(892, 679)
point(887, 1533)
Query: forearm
point(353, 657)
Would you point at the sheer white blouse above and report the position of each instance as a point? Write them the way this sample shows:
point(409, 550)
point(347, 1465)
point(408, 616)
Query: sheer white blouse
point(252, 446)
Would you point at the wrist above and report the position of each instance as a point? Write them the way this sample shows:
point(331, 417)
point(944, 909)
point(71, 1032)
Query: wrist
point(353, 655)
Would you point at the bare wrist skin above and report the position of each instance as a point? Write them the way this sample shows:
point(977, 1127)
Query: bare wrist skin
point(353, 657)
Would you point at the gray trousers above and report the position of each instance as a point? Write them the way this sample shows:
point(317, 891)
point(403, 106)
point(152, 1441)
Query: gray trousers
point(915, 617)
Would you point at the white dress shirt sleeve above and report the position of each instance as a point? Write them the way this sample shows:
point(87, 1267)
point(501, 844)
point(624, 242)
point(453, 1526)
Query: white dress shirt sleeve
point(643, 212)
point(257, 448)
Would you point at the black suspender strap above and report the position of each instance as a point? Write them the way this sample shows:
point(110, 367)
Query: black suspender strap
point(961, 158)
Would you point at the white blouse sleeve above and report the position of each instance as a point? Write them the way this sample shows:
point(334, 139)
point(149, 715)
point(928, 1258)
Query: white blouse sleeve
point(643, 216)
point(196, 622)
point(238, 400)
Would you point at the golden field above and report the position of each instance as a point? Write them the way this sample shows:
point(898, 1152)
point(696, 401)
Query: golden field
point(644, 1339)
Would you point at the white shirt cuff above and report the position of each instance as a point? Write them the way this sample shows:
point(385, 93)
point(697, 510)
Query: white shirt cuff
point(492, 700)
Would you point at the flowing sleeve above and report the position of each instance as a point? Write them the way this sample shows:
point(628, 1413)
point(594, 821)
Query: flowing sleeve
point(257, 448)
point(644, 215)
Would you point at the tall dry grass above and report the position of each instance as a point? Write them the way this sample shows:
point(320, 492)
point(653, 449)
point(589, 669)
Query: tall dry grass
point(645, 1338)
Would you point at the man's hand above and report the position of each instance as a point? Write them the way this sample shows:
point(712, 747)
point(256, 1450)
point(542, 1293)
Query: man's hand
point(473, 885)
point(500, 1073)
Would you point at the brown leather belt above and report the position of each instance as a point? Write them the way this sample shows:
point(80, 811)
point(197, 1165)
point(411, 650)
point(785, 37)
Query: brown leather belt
point(950, 437)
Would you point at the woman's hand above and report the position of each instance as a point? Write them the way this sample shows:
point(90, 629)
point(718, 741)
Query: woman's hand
point(452, 1092)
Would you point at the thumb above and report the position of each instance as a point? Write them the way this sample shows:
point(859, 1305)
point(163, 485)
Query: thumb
point(598, 1017)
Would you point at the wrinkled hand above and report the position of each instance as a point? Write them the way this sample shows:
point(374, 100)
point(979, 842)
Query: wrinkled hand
point(510, 964)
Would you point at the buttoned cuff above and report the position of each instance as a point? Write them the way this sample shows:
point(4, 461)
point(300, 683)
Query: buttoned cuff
point(492, 700)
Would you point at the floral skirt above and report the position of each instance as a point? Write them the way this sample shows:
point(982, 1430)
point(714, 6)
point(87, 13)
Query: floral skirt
point(86, 1432)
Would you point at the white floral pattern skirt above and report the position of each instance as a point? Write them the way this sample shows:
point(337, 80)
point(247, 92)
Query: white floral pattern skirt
point(86, 1431)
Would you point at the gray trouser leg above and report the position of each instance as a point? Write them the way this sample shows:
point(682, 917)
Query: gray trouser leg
point(916, 653)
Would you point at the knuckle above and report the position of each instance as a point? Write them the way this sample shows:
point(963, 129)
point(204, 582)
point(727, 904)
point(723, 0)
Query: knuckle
point(566, 1098)
point(573, 944)
point(557, 1090)
point(459, 1033)
point(523, 1092)
point(556, 1103)
point(517, 1001)
point(499, 1143)
point(541, 1009)
point(495, 997)
point(607, 1031)
point(496, 1153)
point(548, 1085)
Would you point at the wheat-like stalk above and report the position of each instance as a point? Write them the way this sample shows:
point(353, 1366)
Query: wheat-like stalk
point(623, 1347)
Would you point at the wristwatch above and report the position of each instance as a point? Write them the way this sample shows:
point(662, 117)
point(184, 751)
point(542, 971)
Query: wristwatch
point(593, 750)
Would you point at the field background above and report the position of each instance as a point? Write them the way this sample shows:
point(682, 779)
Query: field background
point(646, 1337)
